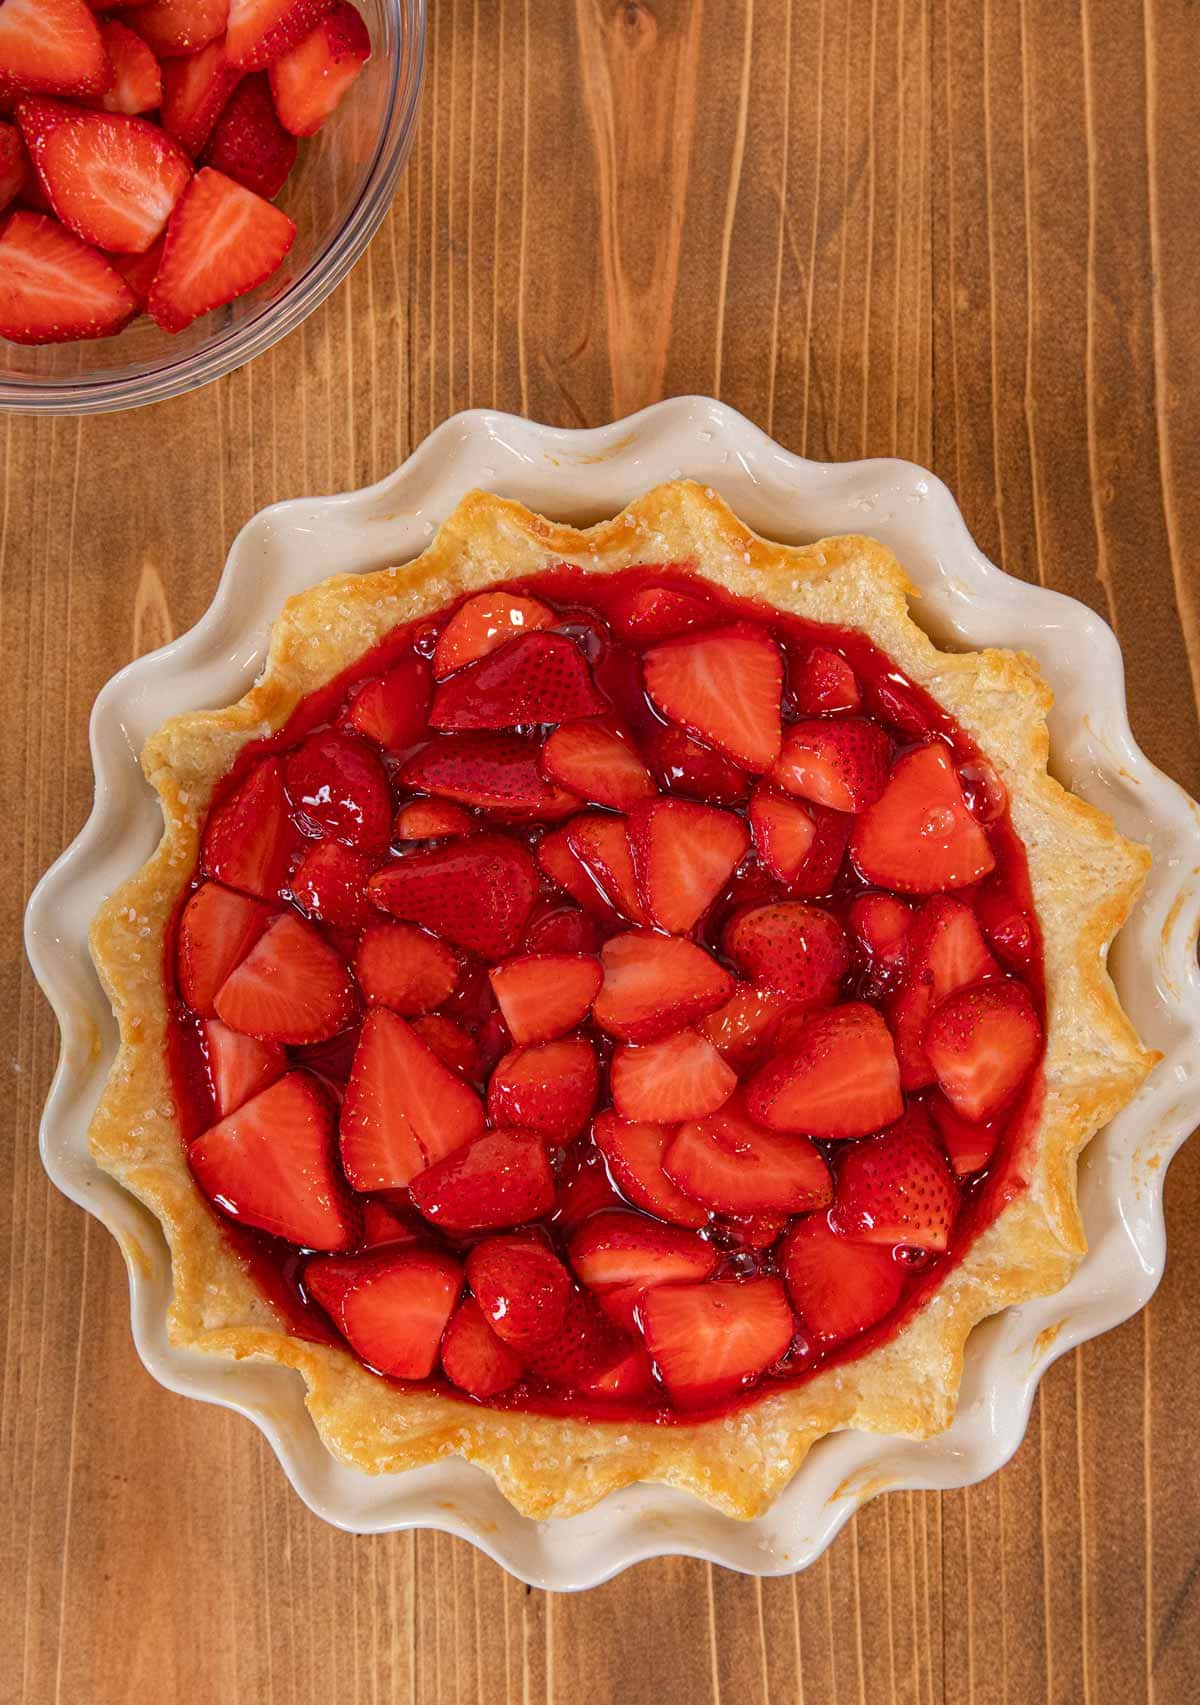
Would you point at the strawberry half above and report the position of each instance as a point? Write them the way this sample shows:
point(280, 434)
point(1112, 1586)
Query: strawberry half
point(583, 1187)
point(897, 1189)
point(195, 91)
point(173, 27)
point(249, 839)
point(629, 1254)
point(309, 80)
point(562, 929)
point(271, 1165)
point(684, 766)
point(52, 47)
point(393, 709)
point(837, 1078)
point(522, 1289)
point(482, 625)
point(400, 966)
point(477, 892)
point(564, 868)
point(634, 1154)
point(138, 270)
point(111, 179)
point(136, 84)
point(970, 1143)
point(711, 1340)
point(724, 686)
point(982, 1043)
point(654, 985)
point(249, 144)
point(879, 927)
point(597, 763)
point(817, 875)
point(741, 1028)
point(654, 613)
point(341, 787)
point(222, 241)
point(383, 1223)
point(783, 832)
point(538, 678)
point(824, 682)
point(404, 1110)
point(431, 820)
point(601, 845)
point(548, 1087)
point(238, 1066)
point(918, 836)
point(840, 764)
point(217, 929)
point(792, 949)
point(681, 1077)
point(496, 770)
point(15, 173)
point(260, 31)
point(474, 1358)
point(683, 855)
point(392, 1307)
point(837, 1287)
point(734, 1167)
point(452, 1046)
point(290, 987)
point(330, 883)
point(545, 995)
point(53, 288)
point(586, 1345)
point(945, 952)
point(498, 1180)
point(628, 1381)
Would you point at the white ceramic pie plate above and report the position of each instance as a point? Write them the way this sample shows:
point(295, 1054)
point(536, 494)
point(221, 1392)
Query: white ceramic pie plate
point(583, 476)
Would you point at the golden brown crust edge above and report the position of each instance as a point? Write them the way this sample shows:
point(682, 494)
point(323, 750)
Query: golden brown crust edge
point(1085, 878)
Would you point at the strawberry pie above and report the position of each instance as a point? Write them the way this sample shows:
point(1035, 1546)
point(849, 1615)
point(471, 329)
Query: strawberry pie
point(615, 1005)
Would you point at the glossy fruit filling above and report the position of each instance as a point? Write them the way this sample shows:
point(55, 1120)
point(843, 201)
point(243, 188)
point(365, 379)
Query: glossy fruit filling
point(608, 997)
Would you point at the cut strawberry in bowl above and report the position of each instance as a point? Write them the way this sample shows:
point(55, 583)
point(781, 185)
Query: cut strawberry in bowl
point(918, 836)
point(600, 844)
point(222, 241)
point(562, 929)
point(249, 839)
point(620, 1250)
point(431, 820)
point(195, 91)
point(500, 1179)
point(945, 951)
point(477, 892)
point(818, 874)
point(838, 1287)
point(634, 1153)
point(783, 832)
point(400, 966)
point(983, 1042)
point(824, 682)
point(545, 995)
point(338, 784)
point(710, 1340)
point(791, 949)
point(474, 1358)
point(392, 1307)
point(217, 929)
point(55, 287)
point(16, 174)
point(482, 625)
point(685, 766)
point(449, 1042)
point(724, 686)
point(733, 1166)
point(741, 1030)
point(177, 27)
point(330, 883)
point(838, 1077)
point(897, 1189)
point(661, 1083)
point(136, 83)
point(683, 855)
point(291, 987)
point(248, 143)
point(52, 47)
point(521, 1287)
point(597, 762)
point(393, 709)
point(259, 32)
point(489, 770)
point(311, 78)
point(879, 926)
point(653, 613)
point(539, 677)
point(547, 1087)
point(841, 764)
point(654, 985)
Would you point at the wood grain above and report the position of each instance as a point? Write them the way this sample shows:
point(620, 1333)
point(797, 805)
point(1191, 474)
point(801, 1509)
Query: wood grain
point(958, 230)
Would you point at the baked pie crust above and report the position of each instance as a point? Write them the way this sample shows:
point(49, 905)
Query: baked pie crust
point(1084, 878)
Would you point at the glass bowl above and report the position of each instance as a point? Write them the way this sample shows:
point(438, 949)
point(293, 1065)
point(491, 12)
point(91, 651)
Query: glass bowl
point(338, 192)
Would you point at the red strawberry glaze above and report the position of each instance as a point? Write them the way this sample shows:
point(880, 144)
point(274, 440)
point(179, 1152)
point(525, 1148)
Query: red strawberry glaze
point(590, 610)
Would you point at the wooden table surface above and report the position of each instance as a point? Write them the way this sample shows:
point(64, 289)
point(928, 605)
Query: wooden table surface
point(963, 231)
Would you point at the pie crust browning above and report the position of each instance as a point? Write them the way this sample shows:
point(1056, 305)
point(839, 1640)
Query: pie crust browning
point(1084, 877)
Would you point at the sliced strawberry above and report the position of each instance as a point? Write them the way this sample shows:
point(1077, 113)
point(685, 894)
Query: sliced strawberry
point(654, 613)
point(562, 929)
point(499, 1180)
point(982, 1043)
point(946, 952)
point(681, 1077)
point(897, 1189)
point(482, 625)
point(879, 927)
point(584, 1187)
point(522, 1289)
point(1009, 929)
point(748, 1231)
point(566, 870)
point(919, 836)
point(817, 875)
point(634, 1154)
point(538, 678)
point(586, 1346)
point(136, 80)
point(310, 79)
point(55, 289)
point(239, 1067)
point(740, 1029)
point(683, 855)
point(249, 838)
point(383, 1224)
point(545, 995)
point(711, 1340)
point(290, 987)
point(654, 985)
point(628, 1381)
point(969, 1143)
point(724, 686)
point(557, 804)
point(393, 709)
point(474, 1358)
point(216, 931)
point(792, 949)
point(783, 832)
point(451, 1045)
point(15, 171)
point(173, 27)
point(261, 31)
point(733, 1167)
point(825, 682)
point(330, 883)
point(627, 1252)
point(195, 92)
point(138, 270)
point(838, 1287)
point(684, 766)
point(477, 892)
point(404, 1110)
point(250, 145)
point(340, 786)
point(601, 845)
point(111, 179)
point(400, 966)
point(838, 1077)
point(597, 763)
point(496, 770)
point(548, 1087)
point(392, 1307)
point(271, 1165)
point(52, 47)
point(222, 241)
point(431, 820)
point(841, 764)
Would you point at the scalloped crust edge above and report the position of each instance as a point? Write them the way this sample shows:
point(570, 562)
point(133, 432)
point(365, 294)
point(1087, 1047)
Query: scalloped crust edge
point(1085, 878)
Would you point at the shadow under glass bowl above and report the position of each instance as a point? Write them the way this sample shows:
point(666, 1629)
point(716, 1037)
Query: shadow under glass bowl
point(338, 192)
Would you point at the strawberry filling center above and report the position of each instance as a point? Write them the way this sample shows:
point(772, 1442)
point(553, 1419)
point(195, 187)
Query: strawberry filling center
point(608, 997)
